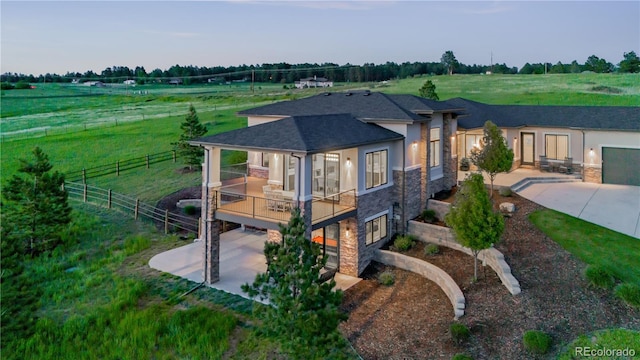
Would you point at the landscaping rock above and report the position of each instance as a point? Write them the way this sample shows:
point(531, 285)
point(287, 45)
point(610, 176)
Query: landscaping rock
point(507, 208)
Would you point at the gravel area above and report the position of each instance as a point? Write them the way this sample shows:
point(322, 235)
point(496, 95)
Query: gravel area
point(410, 319)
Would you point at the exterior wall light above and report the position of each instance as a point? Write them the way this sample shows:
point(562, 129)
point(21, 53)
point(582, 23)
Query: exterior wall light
point(348, 232)
point(348, 162)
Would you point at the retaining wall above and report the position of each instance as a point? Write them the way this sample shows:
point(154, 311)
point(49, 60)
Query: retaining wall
point(441, 235)
point(429, 271)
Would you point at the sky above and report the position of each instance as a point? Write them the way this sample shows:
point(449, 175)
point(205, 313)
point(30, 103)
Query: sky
point(39, 37)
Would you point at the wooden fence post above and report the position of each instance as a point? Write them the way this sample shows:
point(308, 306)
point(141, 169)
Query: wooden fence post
point(166, 221)
point(84, 176)
point(109, 199)
point(118, 168)
point(84, 193)
point(174, 155)
point(147, 159)
point(135, 211)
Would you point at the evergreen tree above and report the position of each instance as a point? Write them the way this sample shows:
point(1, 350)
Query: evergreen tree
point(428, 90)
point(304, 312)
point(449, 61)
point(472, 218)
point(191, 129)
point(36, 207)
point(494, 156)
point(631, 63)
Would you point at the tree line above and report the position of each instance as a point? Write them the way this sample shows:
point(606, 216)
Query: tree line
point(288, 73)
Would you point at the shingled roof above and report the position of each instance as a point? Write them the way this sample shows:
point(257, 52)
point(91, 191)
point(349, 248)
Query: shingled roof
point(303, 134)
point(364, 105)
point(625, 118)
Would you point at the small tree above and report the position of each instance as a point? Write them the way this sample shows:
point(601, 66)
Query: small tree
point(36, 207)
point(472, 218)
point(304, 312)
point(493, 156)
point(191, 129)
point(428, 90)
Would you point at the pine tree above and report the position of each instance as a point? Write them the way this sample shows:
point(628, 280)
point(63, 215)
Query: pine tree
point(191, 129)
point(494, 156)
point(304, 312)
point(428, 90)
point(36, 207)
point(472, 218)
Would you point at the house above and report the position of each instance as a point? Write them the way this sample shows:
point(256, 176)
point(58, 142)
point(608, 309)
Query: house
point(175, 81)
point(314, 82)
point(603, 142)
point(129, 82)
point(360, 164)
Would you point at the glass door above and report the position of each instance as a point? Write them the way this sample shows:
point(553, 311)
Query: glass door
point(290, 174)
point(328, 238)
point(528, 148)
point(326, 174)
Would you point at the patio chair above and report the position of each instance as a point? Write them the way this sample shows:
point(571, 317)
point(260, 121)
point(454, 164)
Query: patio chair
point(272, 204)
point(567, 166)
point(544, 164)
point(266, 188)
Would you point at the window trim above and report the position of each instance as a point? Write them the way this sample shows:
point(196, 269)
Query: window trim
point(546, 145)
point(369, 176)
point(382, 218)
point(434, 148)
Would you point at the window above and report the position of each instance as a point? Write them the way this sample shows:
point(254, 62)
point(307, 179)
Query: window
point(376, 169)
point(376, 229)
point(434, 147)
point(472, 141)
point(265, 159)
point(557, 146)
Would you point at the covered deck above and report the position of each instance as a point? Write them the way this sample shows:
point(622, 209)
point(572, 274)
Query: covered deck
point(244, 201)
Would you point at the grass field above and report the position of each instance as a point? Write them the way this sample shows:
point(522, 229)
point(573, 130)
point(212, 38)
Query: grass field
point(98, 292)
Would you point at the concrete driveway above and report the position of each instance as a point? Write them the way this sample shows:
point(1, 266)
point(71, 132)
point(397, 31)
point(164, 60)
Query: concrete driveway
point(616, 207)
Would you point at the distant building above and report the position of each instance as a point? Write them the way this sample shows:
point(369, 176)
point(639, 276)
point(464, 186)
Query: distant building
point(129, 82)
point(175, 81)
point(94, 83)
point(313, 82)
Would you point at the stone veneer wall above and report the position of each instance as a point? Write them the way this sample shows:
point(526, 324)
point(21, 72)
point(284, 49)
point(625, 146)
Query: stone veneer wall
point(274, 236)
point(349, 247)
point(413, 206)
point(444, 236)
point(259, 172)
point(368, 205)
point(592, 174)
point(211, 243)
point(440, 207)
point(449, 163)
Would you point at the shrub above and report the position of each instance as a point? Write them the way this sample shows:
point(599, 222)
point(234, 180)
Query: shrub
point(536, 341)
point(21, 85)
point(630, 293)
point(403, 242)
point(386, 278)
point(461, 357)
point(459, 332)
point(505, 191)
point(599, 276)
point(190, 210)
point(431, 249)
point(429, 215)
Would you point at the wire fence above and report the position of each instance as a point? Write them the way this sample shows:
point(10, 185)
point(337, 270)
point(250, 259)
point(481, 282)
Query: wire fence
point(132, 206)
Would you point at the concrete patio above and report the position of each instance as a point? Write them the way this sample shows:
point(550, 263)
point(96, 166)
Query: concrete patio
point(241, 258)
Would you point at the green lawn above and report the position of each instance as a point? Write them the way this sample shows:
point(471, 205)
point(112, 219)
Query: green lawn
point(621, 340)
point(593, 244)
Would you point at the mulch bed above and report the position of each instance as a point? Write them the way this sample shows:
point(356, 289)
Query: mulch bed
point(410, 319)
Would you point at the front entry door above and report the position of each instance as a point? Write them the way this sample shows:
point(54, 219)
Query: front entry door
point(528, 148)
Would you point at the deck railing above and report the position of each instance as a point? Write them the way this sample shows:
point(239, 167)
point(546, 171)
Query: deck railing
point(280, 210)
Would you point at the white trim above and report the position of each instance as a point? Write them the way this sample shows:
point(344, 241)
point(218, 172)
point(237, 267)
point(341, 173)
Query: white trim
point(215, 184)
point(412, 167)
point(374, 189)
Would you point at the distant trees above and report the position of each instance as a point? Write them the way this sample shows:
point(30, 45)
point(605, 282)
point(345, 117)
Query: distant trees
point(598, 65)
point(472, 218)
point(304, 312)
point(449, 61)
point(191, 129)
point(428, 90)
point(35, 209)
point(630, 64)
point(283, 72)
point(493, 156)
